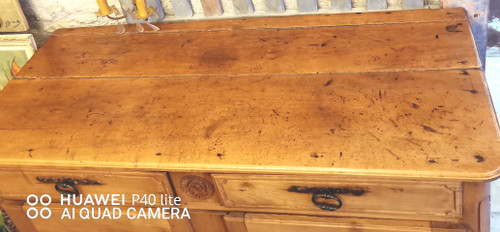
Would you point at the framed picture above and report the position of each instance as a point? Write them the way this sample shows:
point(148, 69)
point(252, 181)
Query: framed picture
point(15, 51)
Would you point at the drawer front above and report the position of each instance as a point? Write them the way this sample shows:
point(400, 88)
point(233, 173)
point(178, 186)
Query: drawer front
point(18, 184)
point(286, 223)
point(122, 224)
point(295, 194)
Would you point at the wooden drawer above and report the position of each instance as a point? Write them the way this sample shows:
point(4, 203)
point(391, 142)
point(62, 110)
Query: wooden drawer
point(287, 223)
point(399, 198)
point(122, 224)
point(18, 184)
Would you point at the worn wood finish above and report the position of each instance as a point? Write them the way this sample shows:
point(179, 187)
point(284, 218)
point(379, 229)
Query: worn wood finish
point(477, 206)
point(357, 102)
point(286, 223)
point(404, 124)
point(208, 221)
point(324, 20)
point(235, 222)
point(477, 12)
point(307, 50)
point(122, 224)
point(17, 215)
point(18, 184)
point(378, 197)
point(200, 188)
point(211, 7)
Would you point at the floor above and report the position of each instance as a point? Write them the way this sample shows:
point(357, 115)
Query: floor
point(493, 79)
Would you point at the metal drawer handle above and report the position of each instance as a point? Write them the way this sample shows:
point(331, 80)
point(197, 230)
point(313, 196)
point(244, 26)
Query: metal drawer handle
point(67, 188)
point(326, 206)
point(326, 193)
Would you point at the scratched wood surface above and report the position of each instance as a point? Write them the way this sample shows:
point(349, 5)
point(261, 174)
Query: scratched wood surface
point(281, 22)
point(442, 43)
point(429, 124)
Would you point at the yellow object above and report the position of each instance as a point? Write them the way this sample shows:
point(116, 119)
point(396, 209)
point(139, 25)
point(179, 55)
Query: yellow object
point(143, 12)
point(104, 8)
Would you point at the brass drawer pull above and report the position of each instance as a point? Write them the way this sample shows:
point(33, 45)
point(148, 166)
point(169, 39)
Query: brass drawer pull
point(67, 188)
point(326, 193)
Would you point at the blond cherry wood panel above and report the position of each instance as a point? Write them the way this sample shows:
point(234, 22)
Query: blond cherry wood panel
point(18, 184)
point(292, 50)
point(409, 198)
point(286, 223)
point(323, 20)
point(208, 221)
point(194, 187)
point(235, 222)
point(122, 224)
point(411, 124)
point(17, 215)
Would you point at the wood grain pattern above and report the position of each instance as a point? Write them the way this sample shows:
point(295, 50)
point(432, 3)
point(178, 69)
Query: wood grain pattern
point(433, 124)
point(331, 20)
point(476, 206)
point(211, 7)
point(308, 50)
point(176, 181)
point(235, 222)
point(122, 224)
point(17, 215)
point(208, 221)
point(287, 223)
point(408, 198)
point(18, 184)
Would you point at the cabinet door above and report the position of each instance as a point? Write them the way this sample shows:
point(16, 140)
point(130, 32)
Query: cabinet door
point(17, 212)
point(287, 223)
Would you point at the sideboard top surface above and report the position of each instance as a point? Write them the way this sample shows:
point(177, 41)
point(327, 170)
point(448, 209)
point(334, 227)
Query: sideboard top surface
point(402, 98)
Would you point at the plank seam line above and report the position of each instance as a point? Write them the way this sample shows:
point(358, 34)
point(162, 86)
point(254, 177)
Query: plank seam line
point(254, 29)
point(245, 75)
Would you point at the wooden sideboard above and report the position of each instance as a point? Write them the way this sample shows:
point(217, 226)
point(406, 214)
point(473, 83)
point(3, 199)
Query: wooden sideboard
point(370, 122)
